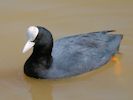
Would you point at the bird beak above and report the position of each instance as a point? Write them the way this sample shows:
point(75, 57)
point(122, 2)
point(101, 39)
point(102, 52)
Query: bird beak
point(27, 46)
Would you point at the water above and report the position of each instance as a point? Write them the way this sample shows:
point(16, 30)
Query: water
point(65, 17)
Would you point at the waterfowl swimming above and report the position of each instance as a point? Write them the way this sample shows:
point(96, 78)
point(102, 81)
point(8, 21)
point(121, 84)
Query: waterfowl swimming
point(70, 55)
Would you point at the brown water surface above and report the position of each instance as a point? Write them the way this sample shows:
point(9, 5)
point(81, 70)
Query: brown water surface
point(65, 17)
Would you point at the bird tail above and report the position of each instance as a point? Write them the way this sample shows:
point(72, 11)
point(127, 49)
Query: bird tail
point(115, 41)
point(107, 31)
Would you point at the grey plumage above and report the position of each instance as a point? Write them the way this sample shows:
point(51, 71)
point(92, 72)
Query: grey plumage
point(82, 53)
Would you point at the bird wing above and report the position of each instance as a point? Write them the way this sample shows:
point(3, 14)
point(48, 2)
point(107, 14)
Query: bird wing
point(82, 52)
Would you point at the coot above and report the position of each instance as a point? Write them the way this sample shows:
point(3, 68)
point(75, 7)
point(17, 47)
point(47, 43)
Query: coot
point(70, 55)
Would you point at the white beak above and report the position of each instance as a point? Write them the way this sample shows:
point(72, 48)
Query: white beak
point(27, 46)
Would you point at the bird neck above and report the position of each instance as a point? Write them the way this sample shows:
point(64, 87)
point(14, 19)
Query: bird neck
point(42, 51)
point(42, 56)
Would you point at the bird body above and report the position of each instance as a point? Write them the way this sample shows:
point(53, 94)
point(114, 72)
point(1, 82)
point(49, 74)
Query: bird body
point(72, 55)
